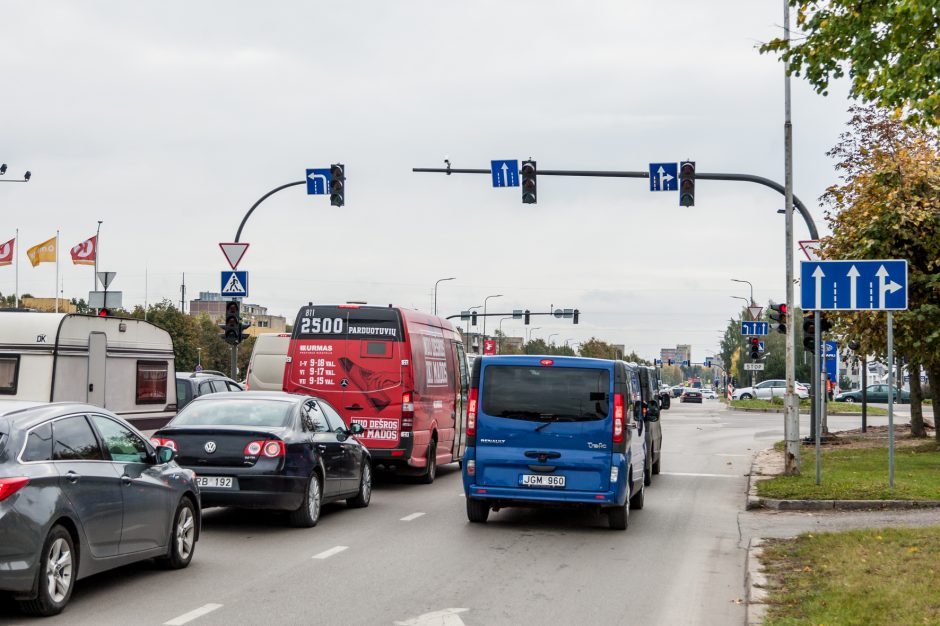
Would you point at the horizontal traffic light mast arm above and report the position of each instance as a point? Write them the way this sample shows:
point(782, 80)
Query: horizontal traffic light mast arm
point(747, 178)
point(450, 317)
point(254, 206)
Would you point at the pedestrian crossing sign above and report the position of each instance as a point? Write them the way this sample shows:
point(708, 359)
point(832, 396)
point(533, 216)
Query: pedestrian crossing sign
point(234, 284)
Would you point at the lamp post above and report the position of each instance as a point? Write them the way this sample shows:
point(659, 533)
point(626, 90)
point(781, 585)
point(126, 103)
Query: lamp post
point(532, 330)
point(498, 295)
point(469, 333)
point(94, 286)
point(738, 280)
point(435, 290)
point(549, 340)
point(499, 346)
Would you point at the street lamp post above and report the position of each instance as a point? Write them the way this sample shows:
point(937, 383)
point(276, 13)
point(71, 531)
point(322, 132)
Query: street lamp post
point(94, 286)
point(470, 332)
point(498, 295)
point(532, 330)
point(435, 289)
point(499, 346)
point(549, 340)
point(738, 280)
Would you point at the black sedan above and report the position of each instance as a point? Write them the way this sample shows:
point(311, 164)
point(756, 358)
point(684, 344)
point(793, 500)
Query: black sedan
point(691, 394)
point(270, 450)
point(82, 492)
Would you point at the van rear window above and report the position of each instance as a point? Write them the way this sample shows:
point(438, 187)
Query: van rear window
point(546, 393)
point(9, 372)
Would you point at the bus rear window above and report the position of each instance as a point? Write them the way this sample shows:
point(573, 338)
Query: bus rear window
point(326, 322)
point(546, 393)
point(381, 349)
point(9, 373)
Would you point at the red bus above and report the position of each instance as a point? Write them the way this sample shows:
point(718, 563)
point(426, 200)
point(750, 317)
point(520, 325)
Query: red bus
point(400, 373)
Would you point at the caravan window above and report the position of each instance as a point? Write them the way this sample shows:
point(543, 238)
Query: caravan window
point(9, 370)
point(151, 382)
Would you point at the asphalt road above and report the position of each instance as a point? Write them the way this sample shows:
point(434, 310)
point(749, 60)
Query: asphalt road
point(413, 553)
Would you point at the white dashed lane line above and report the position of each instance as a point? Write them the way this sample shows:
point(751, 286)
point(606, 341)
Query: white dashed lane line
point(328, 553)
point(413, 516)
point(196, 613)
point(701, 475)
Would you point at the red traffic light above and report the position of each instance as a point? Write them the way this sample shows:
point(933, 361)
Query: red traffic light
point(755, 341)
point(104, 313)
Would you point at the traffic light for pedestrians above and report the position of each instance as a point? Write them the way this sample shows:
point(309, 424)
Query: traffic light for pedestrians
point(687, 183)
point(528, 172)
point(337, 184)
point(755, 348)
point(575, 316)
point(809, 331)
point(778, 315)
point(527, 317)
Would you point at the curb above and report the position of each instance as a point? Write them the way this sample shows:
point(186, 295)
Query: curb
point(755, 584)
point(840, 414)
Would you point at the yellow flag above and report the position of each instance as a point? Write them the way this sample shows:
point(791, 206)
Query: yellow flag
point(42, 253)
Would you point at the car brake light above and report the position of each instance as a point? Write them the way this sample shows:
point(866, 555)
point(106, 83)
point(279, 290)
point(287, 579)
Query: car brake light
point(407, 406)
point(471, 467)
point(618, 418)
point(546, 362)
point(169, 443)
point(472, 413)
point(271, 448)
point(253, 448)
point(9, 486)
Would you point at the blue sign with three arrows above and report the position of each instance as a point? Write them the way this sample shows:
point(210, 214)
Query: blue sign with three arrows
point(853, 285)
point(505, 173)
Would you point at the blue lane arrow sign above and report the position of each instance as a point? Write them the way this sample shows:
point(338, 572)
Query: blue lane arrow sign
point(505, 173)
point(755, 328)
point(843, 285)
point(317, 181)
point(664, 177)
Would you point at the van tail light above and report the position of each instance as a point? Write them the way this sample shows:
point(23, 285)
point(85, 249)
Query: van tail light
point(9, 486)
point(618, 418)
point(169, 443)
point(472, 413)
point(272, 448)
point(407, 409)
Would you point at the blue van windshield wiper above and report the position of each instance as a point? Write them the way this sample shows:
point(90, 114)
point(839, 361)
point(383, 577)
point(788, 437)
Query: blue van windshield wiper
point(550, 418)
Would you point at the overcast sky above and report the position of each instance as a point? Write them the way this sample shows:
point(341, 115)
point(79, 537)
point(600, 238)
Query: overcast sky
point(168, 120)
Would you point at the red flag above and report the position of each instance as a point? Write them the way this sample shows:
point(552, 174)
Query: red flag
point(84, 253)
point(6, 252)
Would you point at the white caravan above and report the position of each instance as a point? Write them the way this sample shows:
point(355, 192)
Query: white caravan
point(122, 364)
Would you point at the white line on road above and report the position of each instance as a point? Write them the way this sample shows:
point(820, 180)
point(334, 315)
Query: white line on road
point(328, 553)
point(408, 518)
point(188, 617)
point(702, 475)
point(732, 455)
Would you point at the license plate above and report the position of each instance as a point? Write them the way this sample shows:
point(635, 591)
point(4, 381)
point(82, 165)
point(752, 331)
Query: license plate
point(216, 482)
point(542, 480)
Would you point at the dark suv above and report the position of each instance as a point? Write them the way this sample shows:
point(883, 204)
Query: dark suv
point(191, 385)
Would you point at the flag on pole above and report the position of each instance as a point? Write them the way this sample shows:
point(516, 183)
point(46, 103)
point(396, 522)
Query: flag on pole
point(6, 252)
point(43, 253)
point(85, 252)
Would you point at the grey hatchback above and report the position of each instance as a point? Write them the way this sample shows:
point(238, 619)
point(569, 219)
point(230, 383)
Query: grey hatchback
point(81, 491)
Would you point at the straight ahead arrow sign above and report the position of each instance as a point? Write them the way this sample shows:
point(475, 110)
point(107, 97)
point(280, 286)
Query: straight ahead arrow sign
point(234, 252)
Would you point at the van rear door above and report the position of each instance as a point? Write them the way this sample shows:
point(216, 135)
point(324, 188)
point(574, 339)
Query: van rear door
point(317, 350)
point(545, 416)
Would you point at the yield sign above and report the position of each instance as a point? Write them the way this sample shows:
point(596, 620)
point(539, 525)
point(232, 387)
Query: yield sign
point(233, 252)
point(755, 311)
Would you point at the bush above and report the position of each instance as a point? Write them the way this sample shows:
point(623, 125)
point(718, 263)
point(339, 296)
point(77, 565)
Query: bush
point(777, 400)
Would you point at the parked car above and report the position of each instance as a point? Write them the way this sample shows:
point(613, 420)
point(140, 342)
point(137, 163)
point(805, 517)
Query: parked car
point(190, 385)
point(768, 390)
point(81, 492)
point(709, 394)
point(876, 393)
point(271, 450)
point(691, 394)
point(650, 412)
point(552, 430)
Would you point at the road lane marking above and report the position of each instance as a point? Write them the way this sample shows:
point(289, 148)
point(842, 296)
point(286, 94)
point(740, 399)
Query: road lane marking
point(701, 475)
point(732, 455)
point(328, 553)
point(188, 617)
point(447, 617)
point(408, 518)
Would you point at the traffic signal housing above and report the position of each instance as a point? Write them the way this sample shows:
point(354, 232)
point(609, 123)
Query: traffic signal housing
point(104, 313)
point(825, 324)
point(778, 315)
point(232, 328)
point(527, 317)
point(528, 172)
point(473, 318)
point(755, 348)
point(575, 316)
point(337, 184)
point(809, 331)
point(687, 183)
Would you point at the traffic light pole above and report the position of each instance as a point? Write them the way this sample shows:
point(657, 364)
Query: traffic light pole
point(254, 206)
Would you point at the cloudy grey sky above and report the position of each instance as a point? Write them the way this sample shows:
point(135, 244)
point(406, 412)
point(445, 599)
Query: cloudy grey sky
point(168, 120)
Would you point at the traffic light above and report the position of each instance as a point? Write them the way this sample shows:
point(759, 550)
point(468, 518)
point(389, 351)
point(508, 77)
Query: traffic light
point(809, 331)
point(825, 325)
point(778, 314)
point(528, 172)
point(232, 328)
point(687, 183)
point(473, 318)
point(575, 316)
point(755, 348)
point(337, 184)
point(527, 317)
point(104, 313)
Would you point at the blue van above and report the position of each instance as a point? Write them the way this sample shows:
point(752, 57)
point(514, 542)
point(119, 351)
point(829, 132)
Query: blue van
point(551, 430)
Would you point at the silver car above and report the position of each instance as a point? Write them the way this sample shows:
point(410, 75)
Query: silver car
point(769, 389)
point(81, 491)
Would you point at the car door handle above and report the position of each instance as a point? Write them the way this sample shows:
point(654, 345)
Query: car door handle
point(126, 479)
point(72, 476)
point(354, 407)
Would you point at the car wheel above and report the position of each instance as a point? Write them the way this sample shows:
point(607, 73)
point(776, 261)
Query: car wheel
point(182, 537)
point(308, 514)
point(636, 501)
point(57, 570)
point(745, 396)
point(428, 477)
point(477, 510)
point(365, 488)
point(849, 399)
point(618, 517)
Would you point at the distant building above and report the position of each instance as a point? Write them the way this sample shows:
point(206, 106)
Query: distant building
point(667, 354)
point(47, 305)
point(213, 305)
point(683, 353)
point(619, 350)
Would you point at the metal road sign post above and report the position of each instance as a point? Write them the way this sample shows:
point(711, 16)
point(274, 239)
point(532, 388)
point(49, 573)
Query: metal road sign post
point(234, 284)
point(755, 328)
point(664, 177)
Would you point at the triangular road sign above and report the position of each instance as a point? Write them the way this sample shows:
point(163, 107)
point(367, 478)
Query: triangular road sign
point(755, 311)
point(106, 278)
point(233, 252)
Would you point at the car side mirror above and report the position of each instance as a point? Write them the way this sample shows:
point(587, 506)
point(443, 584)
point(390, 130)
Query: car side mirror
point(165, 454)
point(652, 416)
point(356, 429)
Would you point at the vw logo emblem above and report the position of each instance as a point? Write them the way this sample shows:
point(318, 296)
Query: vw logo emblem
point(344, 382)
point(210, 447)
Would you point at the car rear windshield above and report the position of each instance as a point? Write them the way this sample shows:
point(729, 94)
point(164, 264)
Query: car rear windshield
point(216, 412)
point(544, 394)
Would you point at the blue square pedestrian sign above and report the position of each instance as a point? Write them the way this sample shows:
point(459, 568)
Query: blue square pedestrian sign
point(234, 284)
point(505, 173)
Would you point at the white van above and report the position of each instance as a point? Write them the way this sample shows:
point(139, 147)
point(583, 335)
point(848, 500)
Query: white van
point(122, 364)
point(268, 358)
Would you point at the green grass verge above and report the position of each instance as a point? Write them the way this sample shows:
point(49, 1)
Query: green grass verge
point(886, 576)
point(833, 407)
point(861, 474)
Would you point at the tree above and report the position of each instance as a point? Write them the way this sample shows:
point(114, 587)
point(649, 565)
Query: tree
point(890, 48)
point(597, 349)
point(887, 207)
